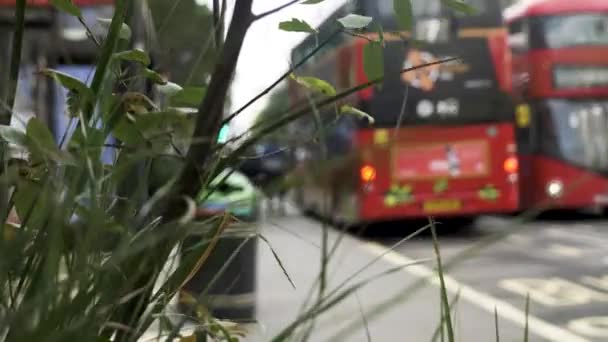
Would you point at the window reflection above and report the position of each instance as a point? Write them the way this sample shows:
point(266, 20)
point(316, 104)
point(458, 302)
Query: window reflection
point(576, 30)
point(577, 132)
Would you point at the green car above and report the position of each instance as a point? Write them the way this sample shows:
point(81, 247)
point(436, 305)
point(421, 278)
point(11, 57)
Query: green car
point(234, 192)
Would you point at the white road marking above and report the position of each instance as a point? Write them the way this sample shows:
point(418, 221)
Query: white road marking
point(592, 326)
point(553, 291)
point(482, 300)
point(565, 250)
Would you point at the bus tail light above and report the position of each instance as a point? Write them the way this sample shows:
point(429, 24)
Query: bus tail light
point(511, 165)
point(367, 173)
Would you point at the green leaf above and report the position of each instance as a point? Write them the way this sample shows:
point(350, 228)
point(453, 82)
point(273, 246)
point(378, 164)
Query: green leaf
point(42, 145)
point(67, 6)
point(348, 109)
point(403, 12)
point(125, 30)
point(155, 76)
point(312, 2)
point(39, 133)
point(460, 6)
point(170, 88)
point(74, 104)
point(12, 135)
point(67, 81)
point(135, 55)
point(32, 199)
point(373, 60)
point(315, 84)
point(355, 21)
point(188, 97)
point(296, 25)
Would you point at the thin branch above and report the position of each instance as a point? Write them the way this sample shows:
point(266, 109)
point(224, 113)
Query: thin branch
point(273, 11)
point(89, 32)
point(295, 113)
point(282, 78)
point(359, 35)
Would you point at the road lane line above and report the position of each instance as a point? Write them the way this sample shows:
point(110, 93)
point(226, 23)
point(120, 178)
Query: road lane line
point(482, 300)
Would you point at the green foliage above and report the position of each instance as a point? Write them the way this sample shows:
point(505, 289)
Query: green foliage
point(348, 109)
point(135, 55)
point(355, 21)
point(373, 60)
point(460, 6)
point(92, 239)
point(67, 6)
point(296, 25)
point(125, 31)
point(315, 84)
point(404, 13)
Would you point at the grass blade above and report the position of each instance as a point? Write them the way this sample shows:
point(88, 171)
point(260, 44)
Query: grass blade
point(278, 260)
point(444, 295)
point(332, 299)
point(440, 328)
point(496, 324)
point(368, 335)
point(526, 331)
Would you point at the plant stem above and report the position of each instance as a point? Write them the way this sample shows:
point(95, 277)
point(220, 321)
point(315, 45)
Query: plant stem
point(5, 118)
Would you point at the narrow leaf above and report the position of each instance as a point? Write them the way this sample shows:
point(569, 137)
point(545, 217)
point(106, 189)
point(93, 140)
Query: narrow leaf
point(188, 97)
point(170, 88)
point(155, 76)
point(67, 6)
point(125, 30)
point(278, 260)
point(355, 21)
point(12, 135)
point(460, 6)
point(67, 81)
point(373, 60)
point(296, 25)
point(444, 294)
point(526, 329)
point(496, 329)
point(135, 55)
point(348, 109)
point(312, 2)
point(315, 84)
point(403, 12)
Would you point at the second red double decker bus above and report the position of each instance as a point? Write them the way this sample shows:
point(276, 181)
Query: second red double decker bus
point(442, 142)
point(560, 80)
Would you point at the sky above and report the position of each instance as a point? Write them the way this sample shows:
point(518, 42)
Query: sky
point(266, 51)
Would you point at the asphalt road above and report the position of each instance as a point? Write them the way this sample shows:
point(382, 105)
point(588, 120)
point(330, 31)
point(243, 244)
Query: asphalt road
point(562, 264)
point(559, 264)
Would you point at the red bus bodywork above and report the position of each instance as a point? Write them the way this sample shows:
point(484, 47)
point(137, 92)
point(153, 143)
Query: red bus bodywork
point(535, 66)
point(402, 173)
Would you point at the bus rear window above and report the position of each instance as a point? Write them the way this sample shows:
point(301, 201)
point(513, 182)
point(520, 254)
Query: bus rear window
point(588, 29)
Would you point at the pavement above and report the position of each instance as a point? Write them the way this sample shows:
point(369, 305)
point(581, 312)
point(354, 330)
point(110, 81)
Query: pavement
point(560, 264)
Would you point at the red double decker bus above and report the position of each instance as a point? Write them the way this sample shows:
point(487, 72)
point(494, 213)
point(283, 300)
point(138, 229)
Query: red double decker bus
point(560, 82)
point(442, 142)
